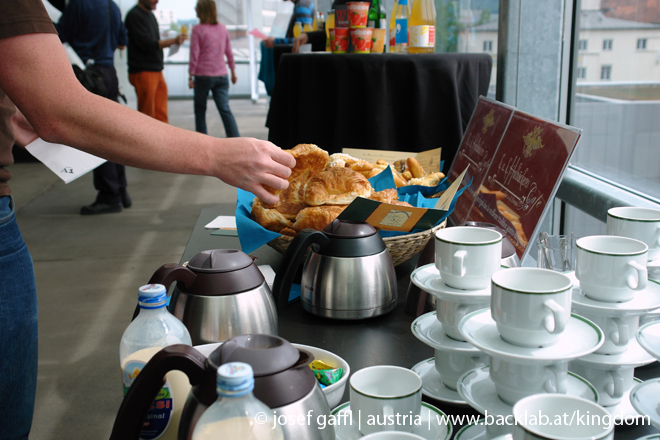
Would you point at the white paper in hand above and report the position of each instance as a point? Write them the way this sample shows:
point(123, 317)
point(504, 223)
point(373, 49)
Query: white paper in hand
point(68, 163)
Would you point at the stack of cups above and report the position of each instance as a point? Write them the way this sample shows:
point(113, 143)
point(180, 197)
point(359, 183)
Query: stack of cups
point(612, 270)
point(466, 258)
point(531, 308)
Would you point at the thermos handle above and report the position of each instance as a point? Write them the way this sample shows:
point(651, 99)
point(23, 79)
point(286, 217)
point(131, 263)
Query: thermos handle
point(294, 256)
point(166, 275)
point(147, 384)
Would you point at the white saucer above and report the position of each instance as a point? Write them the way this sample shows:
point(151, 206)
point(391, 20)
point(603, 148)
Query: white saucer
point(645, 398)
point(428, 329)
point(473, 431)
point(624, 411)
point(433, 387)
point(648, 336)
point(635, 356)
point(643, 301)
point(653, 268)
point(430, 428)
point(479, 392)
point(580, 338)
point(428, 279)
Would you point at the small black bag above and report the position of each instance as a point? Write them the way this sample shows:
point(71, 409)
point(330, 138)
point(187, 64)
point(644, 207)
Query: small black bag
point(92, 80)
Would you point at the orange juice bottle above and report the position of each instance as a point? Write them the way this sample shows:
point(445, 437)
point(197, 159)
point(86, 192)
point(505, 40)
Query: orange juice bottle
point(392, 39)
point(422, 27)
point(308, 27)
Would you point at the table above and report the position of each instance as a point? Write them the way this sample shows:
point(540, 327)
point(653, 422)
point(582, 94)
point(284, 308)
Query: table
point(384, 340)
point(413, 102)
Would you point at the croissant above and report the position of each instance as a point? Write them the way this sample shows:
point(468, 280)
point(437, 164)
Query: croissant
point(336, 186)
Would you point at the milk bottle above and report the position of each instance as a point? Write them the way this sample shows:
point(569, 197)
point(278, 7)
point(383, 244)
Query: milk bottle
point(237, 414)
point(154, 328)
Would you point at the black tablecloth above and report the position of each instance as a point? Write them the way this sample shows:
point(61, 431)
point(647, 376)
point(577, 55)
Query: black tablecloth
point(413, 102)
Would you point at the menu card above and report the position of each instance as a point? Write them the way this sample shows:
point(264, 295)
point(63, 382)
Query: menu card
point(528, 161)
point(478, 147)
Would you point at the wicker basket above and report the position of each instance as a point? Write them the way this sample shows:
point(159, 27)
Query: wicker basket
point(400, 248)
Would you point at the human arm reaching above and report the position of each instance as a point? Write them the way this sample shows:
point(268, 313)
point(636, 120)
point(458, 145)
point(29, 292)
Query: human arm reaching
point(37, 77)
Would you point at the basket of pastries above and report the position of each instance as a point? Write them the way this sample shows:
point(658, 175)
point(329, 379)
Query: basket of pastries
point(321, 186)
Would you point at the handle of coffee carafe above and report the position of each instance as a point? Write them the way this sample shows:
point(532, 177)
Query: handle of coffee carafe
point(291, 260)
point(147, 384)
point(166, 275)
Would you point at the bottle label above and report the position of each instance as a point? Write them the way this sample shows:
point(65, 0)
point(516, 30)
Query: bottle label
point(422, 36)
point(382, 23)
point(401, 31)
point(160, 414)
point(392, 36)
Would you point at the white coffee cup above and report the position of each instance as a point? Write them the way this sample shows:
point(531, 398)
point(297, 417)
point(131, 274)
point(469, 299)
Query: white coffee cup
point(611, 268)
point(642, 224)
point(450, 313)
point(466, 256)
point(515, 381)
point(610, 382)
point(617, 331)
point(452, 365)
point(530, 306)
point(385, 398)
point(571, 412)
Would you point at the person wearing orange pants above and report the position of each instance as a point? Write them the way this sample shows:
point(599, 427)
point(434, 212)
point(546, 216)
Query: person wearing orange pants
point(145, 59)
point(151, 91)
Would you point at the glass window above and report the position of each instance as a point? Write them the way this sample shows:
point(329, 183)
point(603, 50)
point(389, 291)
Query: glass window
point(471, 27)
point(606, 72)
point(620, 109)
point(607, 44)
point(583, 45)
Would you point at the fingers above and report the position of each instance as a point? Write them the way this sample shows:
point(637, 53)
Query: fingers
point(283, 157)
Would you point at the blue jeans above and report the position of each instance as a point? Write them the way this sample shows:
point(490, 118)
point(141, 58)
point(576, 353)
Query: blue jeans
point(219, 87)
point(18, 329)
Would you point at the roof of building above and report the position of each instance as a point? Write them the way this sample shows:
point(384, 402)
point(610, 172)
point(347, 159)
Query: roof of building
point(589, 21)
point(596, 20)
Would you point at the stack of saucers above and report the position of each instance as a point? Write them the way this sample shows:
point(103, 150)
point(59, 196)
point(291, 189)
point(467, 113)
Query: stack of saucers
point(645, 396)
point(611, 289)
point(530, 337)
point(465, 259)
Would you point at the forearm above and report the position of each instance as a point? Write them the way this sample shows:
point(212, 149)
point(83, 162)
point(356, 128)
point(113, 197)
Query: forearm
point(66, 113)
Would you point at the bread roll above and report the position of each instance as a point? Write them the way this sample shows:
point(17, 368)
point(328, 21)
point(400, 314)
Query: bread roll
point(336, 186)
point(271, 219)
point(308, 157)
point(415, 168)
point(317, 217)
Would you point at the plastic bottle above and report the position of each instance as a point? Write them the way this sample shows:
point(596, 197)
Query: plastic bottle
point(307, 27)
point(392, 39)
point(422, 27)
point(154, 328)
point(237, 414)
point(401, 39)
point(320, 21)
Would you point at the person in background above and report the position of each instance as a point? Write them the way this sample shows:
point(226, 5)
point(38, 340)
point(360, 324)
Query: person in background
point(145, 59)
point(95, 35)
point(303, 12)
point(36, 77)
point(209, 44)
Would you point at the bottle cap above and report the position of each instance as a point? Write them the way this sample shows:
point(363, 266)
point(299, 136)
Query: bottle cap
point(152, 296)
point(235, 379)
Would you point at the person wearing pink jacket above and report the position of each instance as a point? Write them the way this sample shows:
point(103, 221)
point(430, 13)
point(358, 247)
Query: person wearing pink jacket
point(209, 44)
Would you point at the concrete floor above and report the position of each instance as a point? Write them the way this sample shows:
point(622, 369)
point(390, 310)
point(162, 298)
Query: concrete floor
point(88, 269)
